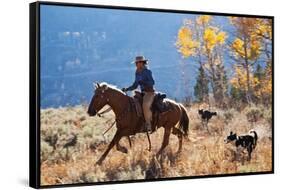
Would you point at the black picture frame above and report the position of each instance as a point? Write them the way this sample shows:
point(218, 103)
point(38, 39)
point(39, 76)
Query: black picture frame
point(34, 91)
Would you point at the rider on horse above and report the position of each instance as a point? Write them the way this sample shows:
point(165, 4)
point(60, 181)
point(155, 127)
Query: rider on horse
point(144, 79)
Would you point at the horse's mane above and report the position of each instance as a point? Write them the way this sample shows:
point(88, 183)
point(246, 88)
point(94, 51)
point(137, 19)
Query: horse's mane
point(111, 86)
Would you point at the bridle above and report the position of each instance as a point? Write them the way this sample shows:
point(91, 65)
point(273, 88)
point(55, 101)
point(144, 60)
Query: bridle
point(119, 118)
point(123, 113)
point(105, 111)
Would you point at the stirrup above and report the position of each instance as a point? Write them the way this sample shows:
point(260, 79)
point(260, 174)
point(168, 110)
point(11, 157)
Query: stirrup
point(150, 131)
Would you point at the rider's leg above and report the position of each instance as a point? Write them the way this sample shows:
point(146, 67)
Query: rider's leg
point(147, 101)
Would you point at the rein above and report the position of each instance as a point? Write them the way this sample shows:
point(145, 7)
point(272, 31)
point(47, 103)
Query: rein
point(112, 124)
point(117, 119)
point(103, 112)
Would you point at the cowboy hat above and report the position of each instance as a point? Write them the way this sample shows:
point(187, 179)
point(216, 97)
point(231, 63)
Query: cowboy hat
point(140, 59)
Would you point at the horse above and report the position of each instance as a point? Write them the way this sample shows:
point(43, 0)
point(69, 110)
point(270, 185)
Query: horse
point(129, 123)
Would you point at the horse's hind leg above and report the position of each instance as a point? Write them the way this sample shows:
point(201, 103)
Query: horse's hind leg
point(114, 141)
point(149, 142)
point(178, 133)
point(165, 142)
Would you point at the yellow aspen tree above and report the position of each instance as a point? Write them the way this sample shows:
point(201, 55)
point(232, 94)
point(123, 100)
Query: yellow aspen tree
point(264, 29)
point(253, 39)
point(201, 39)
point(246, 48)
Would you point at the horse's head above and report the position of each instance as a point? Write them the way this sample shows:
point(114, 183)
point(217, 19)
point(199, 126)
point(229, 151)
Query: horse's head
point(99, 99)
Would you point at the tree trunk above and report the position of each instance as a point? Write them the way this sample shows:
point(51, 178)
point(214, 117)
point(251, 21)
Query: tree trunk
point(248, 93)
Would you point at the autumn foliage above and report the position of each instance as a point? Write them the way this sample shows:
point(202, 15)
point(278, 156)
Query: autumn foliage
point(248, 47)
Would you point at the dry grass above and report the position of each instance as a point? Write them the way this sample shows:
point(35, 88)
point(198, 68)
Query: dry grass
point(203, 153)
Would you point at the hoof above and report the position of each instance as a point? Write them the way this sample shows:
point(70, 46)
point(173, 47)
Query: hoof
point(99, 162)
point(158, 154)
point(179, 151)
point(123, 150)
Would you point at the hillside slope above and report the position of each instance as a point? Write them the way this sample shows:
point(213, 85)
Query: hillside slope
point(203, 153)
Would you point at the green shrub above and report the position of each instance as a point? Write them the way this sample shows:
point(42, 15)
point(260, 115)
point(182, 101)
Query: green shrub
point(228, 115)
point(254, 113)
point(88, 131)
point(268, 116)
point(93, 177)
point(46, 150)
point(132, 174)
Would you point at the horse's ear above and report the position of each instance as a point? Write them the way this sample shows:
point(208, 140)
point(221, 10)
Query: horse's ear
point(95, 86)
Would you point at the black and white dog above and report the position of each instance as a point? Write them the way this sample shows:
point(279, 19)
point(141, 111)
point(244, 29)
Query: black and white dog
point(206, 115)
point(247, 141)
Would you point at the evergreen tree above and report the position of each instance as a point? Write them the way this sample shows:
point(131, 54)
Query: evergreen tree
point(259, 75)
point(259, 72)
point(220, 85)
point(237, 96)
point(201, 89)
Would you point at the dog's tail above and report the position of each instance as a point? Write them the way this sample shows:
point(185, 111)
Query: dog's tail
point(184, 121)
point(255, 137)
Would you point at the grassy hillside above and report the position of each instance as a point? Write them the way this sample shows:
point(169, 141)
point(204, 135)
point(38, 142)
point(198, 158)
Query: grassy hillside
point(202, 154)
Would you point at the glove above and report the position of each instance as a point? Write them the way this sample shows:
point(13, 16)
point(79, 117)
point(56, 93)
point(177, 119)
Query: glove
point(124, 89)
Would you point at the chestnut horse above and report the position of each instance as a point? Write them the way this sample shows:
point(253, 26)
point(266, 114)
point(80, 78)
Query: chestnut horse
point(127, 121)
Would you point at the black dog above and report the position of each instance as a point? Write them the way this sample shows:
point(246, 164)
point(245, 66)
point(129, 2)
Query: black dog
point(248, 141)
point(206, 116)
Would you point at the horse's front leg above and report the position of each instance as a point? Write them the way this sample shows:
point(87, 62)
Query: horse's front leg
point(129, 140)
point(121, 148)
point(114, 141)
point(165, 142)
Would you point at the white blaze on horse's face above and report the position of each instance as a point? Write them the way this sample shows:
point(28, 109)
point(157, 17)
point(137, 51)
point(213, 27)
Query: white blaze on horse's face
point(100, 97)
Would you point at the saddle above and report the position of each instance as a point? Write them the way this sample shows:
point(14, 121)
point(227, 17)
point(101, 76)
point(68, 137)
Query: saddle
point(158, 106)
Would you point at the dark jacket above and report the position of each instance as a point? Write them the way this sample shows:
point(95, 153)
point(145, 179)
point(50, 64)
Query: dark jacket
point(143, 79)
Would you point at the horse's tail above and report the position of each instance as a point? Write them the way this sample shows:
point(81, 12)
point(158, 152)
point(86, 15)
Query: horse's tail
point(184, 121)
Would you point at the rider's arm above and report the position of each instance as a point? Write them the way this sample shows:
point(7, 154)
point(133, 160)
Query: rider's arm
point(133, 86)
